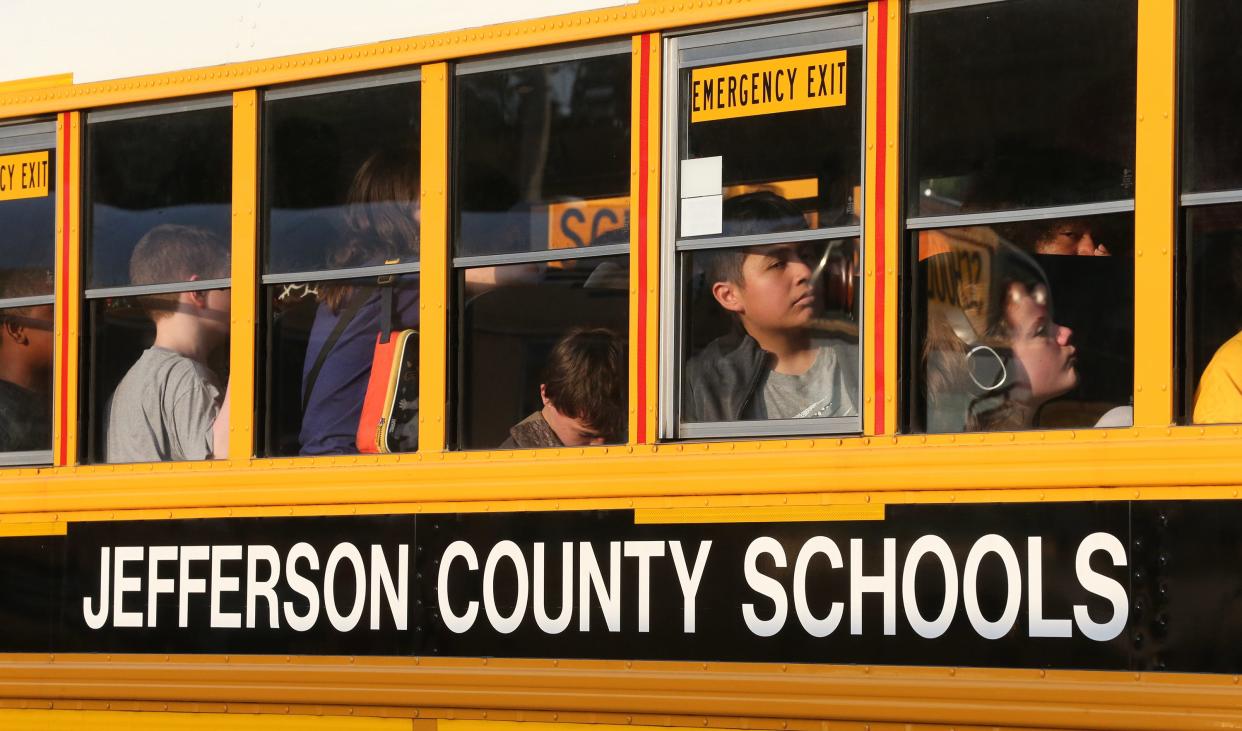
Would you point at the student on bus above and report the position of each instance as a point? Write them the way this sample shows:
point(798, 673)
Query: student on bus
point(583, 393)
point(1218, 398)
point(382, 224)
point(999, 379)
point(1058, 237)
point(772, 365)
point(166, 405)
point(26, 346)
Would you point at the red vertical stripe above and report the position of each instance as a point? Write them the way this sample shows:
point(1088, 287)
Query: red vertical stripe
point(644, 96)
point(62, 303)
point(881, 150)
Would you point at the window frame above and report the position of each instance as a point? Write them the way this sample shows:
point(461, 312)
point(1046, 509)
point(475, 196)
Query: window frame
point(458, 264)
point(87, 441)
point(301, 90)
point(913, 320)
point(768, 39)
point(1206, 198)
point(15, 138)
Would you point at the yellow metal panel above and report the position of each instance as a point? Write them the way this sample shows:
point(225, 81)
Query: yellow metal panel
point(715, 695)
point(434, 258)
point(244, 280)
point(644, 238)
point(13, 530)
point(35, 82)
point(68, 289)
point(767, 514)
point(49, 720)
point(1192, 461)
point(871, 223)
point(893, 215)
point(881, 219)
point(568, 28)
point(1154, 207)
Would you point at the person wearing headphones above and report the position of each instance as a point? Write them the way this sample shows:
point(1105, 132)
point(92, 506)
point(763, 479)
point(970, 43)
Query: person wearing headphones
point(992, 355)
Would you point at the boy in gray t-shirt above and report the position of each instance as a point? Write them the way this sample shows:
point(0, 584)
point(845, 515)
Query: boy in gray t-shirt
point(165, 408)
point(828, 388)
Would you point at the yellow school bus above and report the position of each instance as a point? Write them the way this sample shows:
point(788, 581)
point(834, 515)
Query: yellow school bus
point(735, 364)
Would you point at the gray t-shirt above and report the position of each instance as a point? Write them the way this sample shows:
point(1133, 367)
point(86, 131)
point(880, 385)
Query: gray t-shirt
point(828, 388)
point(162, 410)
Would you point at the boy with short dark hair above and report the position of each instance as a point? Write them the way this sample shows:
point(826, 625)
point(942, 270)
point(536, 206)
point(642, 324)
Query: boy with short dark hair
point(26, 347)
point(773, 365)
point(583, 393)
point(166, 405)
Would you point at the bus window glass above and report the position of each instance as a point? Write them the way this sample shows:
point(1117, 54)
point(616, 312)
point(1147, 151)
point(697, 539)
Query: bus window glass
point(750, 306)
point(158, 267)
point(542, 155)
point(1021, 104)
point(1211, 95)
point(317, 384)
point(801, 118)
point(1025, 325)
point(314, 146)
point(543, 354)
point(146, 171)
point(765, 179)
point(27, 290)
point(342, 196)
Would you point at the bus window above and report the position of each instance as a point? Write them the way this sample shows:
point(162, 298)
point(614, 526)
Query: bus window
point(767, 235)
point(27, 252)
point(157, 259)
point(1020, 254)
point(1211, 183)
point(541, 191)
point(1020, 104)
point(340, 243)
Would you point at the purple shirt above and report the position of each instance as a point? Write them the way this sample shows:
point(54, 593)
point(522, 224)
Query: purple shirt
point(330, 424)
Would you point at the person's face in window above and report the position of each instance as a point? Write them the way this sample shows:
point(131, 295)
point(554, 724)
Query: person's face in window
point(1041, 348)
point(1069, 238)
point(216, 305)
point(572, 432)
point(776, 292)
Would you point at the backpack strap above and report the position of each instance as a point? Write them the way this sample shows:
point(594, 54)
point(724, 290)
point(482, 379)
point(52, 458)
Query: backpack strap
point(356, 300)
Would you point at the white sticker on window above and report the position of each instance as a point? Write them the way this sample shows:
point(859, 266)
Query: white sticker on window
point(702, 176)
point(702, 216)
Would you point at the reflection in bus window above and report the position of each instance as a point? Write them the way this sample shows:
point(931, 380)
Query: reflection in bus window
point(542, 155)
point(544, 323)
point(314, 146)
point(771, 329)
point(329, 332)
point(146, 171)
point(1010, 108)
point(1210, 95)
point(164, 407)
point(996, 354)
